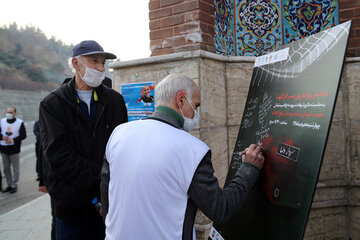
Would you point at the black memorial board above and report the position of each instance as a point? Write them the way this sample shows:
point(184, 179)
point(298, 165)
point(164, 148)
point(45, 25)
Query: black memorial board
point(288, 112)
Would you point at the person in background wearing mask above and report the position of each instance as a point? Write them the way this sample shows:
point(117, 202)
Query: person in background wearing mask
point(156, 197)
point(76, 120)
point(12, 132)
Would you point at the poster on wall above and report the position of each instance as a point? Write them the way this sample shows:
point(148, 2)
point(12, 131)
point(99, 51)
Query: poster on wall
point(139, 99)
point(288, 112)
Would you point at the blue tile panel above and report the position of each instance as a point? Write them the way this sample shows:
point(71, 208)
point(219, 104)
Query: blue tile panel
point(303, 18)
point(224, 27)
point(258, 26)
point(250, 27)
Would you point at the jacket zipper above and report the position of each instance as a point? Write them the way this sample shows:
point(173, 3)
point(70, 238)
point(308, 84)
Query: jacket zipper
point(97, 121)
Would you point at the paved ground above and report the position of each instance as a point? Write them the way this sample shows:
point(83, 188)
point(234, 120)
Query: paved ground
point(26, 213)
point(31, 221)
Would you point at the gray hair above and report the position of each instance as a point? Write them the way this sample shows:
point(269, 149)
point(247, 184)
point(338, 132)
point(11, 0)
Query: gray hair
point(167, 89)
point(70, 62)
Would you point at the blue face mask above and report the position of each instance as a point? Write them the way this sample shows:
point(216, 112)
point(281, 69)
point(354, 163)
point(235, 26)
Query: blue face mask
point(189, 123)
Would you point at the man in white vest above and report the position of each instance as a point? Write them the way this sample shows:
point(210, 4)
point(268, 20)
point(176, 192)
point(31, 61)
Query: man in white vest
point(156, 174)
point(12, 132)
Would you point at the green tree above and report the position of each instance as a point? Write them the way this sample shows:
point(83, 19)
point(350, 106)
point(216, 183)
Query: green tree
point(18, 47)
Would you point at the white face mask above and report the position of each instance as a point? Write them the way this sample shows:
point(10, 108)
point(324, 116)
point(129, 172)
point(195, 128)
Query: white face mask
point(9, 116)
point(188, 122)
point(92, 77)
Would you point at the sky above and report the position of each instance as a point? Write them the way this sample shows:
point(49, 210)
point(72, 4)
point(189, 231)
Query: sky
point(119, 26)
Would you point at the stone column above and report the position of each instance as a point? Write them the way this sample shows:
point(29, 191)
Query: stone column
point(181, 25)
point(351, 86)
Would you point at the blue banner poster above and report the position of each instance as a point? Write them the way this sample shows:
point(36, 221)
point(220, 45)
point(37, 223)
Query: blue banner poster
point(139, 99)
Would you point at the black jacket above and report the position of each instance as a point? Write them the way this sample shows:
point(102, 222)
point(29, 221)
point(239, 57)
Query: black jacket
point(36, 130)
point(13, 149)
point(74, 148)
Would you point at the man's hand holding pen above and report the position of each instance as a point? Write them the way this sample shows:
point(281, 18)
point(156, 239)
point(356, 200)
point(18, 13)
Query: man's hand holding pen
point(253, 155)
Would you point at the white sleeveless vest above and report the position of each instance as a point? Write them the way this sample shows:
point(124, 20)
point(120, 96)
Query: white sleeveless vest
point(12, 128)
point(151, 167)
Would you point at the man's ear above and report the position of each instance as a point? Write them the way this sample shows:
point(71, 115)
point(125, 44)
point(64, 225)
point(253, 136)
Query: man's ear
point(75, 64)
point(180, 99)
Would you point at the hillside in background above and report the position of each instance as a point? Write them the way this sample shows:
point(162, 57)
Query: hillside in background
point(31, 61)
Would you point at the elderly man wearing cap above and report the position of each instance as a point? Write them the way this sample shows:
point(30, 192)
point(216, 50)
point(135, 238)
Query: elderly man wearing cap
point(76, 120)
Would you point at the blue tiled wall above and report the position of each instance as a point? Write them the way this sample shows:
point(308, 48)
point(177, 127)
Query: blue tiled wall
point(249, 27)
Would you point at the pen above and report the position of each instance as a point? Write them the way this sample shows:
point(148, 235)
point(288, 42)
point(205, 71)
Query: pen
point(243, 152)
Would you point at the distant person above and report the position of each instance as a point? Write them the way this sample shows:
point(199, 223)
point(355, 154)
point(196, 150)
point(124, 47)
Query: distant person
point(38, 151)
point(0, 179)
point(12, 132)
point(76, 121)
point(156, 197)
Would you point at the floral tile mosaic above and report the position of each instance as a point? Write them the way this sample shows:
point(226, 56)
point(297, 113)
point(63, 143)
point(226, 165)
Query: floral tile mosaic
point(250, 27)
point(258, 26)
point(224, 27)
point(304, 18)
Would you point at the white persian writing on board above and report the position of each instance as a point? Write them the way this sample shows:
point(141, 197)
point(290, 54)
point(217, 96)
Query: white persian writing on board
point(299, 105)
point(250, 112)
point(237, 155)
point(264, 108)
point(312, 125)
point(304, 114)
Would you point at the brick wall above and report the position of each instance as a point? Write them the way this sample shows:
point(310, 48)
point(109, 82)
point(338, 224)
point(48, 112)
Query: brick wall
point(181, 25)
point(186, 25)
point(350, 10)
